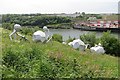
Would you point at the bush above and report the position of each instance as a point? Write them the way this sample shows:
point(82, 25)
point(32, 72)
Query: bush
point(7, 26)
point(70, 39)
point(110, 43)
point(57, 37)
point(21, 60)
point(27, 31)
point(89, 38)
point(36, 28)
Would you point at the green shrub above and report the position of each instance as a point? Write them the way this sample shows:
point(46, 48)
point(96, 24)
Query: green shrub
point(70, 39)
point(36, 28)
point(29, 31)
point(20, 60)
point(26, 30)
point(57, 37)
point(8, 26)
point(89, 38)
point(110, 43)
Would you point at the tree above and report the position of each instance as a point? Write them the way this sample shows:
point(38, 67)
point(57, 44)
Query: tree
point(83, 13)
point(89, 38)
point(110, 43)
point(34, 20)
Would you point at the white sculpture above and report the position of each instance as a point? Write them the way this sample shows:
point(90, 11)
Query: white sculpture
point(70, 44)
point(78, 44)
point(16, 29)
point(64, 43)
point(41, 36)
point(97, 49)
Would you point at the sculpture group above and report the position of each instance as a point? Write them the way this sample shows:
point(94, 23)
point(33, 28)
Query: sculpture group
point(44, 36)
point(37, 36)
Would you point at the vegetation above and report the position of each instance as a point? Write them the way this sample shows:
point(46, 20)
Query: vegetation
point(8, 26)
point(61, 26)
point(28, 59)
point(89, 38)
point(70, 39)
point(57, 37)
point(33, 20)
point(53, 21)
point(52, 60)
point(29, 31)
point(85, 17)
point(112, 17)
point(111, 44)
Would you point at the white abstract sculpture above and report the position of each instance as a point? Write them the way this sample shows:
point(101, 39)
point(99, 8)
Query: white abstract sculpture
point(41, 36)
point(78, 44)
point(16, 29)
point(97, 49)
point(64, 43)
point(70, 44)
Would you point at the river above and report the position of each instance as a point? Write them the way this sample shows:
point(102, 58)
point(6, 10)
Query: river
point(74, 33)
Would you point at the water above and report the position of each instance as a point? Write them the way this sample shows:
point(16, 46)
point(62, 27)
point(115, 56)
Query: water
point(74, 33)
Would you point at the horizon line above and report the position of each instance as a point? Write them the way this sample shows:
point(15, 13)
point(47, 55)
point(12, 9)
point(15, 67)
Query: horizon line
point(65, 13)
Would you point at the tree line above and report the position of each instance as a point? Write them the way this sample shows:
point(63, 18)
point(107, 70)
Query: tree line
point(34, 20)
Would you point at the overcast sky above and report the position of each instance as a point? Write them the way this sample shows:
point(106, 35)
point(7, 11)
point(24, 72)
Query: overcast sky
point(58, 6)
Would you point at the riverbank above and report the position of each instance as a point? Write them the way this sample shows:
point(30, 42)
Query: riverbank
point(84, 28)
point(100, 29)
point(61, 26)
point(76, 33)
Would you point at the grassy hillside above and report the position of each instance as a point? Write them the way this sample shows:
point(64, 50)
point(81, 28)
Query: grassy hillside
point(110, 17)
point(22, 59)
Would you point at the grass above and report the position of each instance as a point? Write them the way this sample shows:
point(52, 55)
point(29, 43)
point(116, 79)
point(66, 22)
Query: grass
point(23, 59)
point(0, 51)
point(110, 17)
